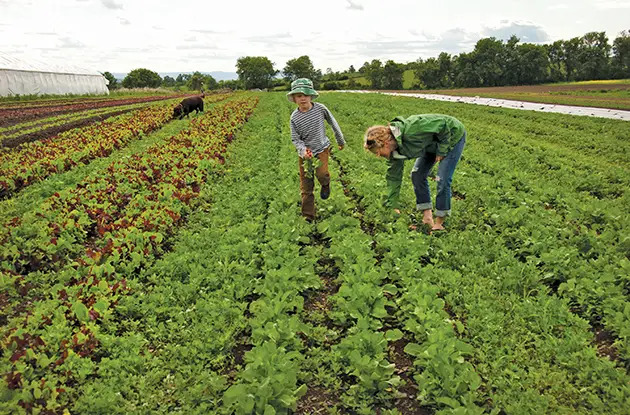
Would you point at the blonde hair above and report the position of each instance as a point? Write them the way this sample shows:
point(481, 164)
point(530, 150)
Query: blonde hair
point(377, 136)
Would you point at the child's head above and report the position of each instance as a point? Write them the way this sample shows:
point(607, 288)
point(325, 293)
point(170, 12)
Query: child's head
point(301, 88)
point(376, 138)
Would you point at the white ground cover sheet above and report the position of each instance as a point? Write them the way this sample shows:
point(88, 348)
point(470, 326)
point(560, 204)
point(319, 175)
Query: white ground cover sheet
point(520, 105)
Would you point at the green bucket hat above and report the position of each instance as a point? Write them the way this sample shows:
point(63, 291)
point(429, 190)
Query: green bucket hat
point(302, 86)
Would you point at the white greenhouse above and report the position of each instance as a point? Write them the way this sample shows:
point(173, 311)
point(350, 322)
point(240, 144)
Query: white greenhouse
point(19, 77)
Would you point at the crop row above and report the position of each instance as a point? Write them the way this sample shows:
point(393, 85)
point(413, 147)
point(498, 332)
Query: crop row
point(36, 161)
point(498, 300)
point(39, 102)
point(57, 345)
point(268, 380)
point(17, 130)
point(11, 116)
point(573, 232)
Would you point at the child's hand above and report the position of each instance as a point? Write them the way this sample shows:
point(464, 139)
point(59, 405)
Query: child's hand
point(439, 158)
point(308, 154)
point(341, 147)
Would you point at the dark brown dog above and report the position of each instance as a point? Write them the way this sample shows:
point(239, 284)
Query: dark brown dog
point(187, 106)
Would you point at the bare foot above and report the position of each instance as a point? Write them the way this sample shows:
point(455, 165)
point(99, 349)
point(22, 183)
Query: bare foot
point(439, 224)
point(427, 217)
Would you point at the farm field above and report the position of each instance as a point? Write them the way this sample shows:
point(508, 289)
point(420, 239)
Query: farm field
point(614, 94)
point(170, 271)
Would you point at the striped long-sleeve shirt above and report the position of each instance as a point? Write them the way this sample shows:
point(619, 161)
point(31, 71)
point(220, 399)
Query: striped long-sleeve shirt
point(308, 129)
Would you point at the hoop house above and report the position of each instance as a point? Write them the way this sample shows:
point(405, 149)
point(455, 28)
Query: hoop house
point(19, 77)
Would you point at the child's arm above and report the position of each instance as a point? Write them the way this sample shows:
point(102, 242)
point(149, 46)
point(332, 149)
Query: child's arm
point(335, 127)
point(299, 144)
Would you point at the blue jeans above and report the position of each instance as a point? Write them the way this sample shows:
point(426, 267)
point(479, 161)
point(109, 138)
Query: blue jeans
point(446, 168)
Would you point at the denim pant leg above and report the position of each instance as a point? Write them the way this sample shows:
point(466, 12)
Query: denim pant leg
point(445, 178)
point(419, 173)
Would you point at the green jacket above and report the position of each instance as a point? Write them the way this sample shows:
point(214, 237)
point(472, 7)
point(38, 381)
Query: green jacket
point(416, 135)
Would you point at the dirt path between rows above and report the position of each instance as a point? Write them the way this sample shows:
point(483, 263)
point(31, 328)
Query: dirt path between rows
point(52, 131)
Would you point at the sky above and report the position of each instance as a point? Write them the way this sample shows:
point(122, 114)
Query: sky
point(205, 36)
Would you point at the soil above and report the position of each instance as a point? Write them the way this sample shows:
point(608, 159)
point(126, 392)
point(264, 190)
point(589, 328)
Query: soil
point(604, 342)
point(407, 405)
point(13, 116)
point(316, 401)
point(58, 129)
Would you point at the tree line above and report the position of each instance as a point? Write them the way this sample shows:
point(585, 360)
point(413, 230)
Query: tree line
point(492, 62)
point(146, 78)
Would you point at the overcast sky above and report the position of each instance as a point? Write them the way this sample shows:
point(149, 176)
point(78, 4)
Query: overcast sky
point(180, 36)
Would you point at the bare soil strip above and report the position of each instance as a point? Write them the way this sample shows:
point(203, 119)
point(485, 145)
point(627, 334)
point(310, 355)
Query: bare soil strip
point(58, 129)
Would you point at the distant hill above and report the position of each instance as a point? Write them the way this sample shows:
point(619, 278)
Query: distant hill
point(218, 75)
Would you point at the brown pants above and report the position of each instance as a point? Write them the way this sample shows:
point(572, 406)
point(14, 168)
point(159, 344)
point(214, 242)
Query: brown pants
point(307, 182)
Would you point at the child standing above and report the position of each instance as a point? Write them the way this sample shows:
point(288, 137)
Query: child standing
point(308, 134)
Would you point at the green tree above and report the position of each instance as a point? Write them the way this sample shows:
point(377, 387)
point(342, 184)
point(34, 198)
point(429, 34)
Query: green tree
point(557, 69)
point(393, 75)
point(621, 55)
point(182, 78)
point(466, 73)
point(489, 58)
point(374, 72)
point(113, 82)
point(512, 70)
point(533, 64)
point(435, 73)
point(168, 81)
point(301, 67)
point(570, 58)
point(210, 83)
point(593, 56)
point(445, 63)
point(255, 71)
point(195, 83)
point(232, 84)
point(429, 73)
point(142, 78)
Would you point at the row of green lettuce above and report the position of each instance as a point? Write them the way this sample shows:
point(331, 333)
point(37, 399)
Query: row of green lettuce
point(498, 267)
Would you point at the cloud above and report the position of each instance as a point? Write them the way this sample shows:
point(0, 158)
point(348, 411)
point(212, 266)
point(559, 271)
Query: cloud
point(273, 41)
point(352, 5)
point(196, 46)
point(558, 7)
point(612, 4)
point(455, 40)
point(123, 21)
point(206, 32)
point(111, 4)
point(393, 46)
point(527, 33)
point(134, 50)
point(70, 43)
